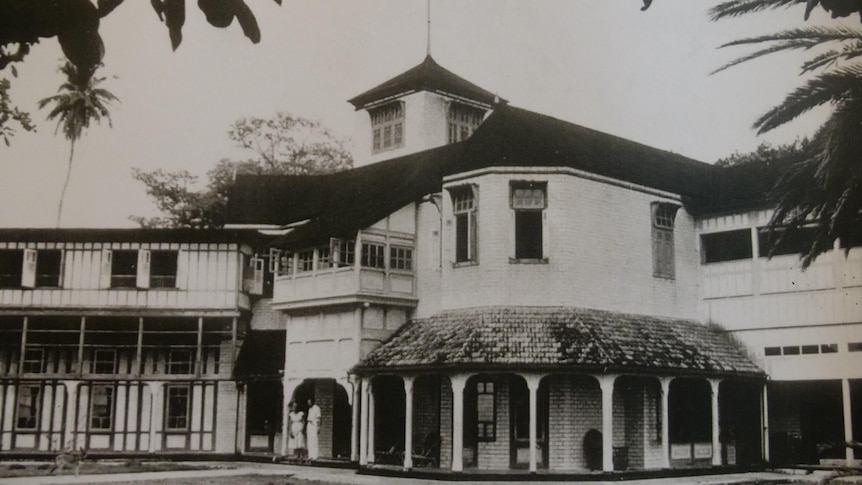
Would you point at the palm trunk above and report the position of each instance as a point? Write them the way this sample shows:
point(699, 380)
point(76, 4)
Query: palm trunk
point(66, 183)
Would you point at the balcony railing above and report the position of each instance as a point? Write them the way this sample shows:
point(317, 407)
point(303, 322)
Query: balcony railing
point(344, 284)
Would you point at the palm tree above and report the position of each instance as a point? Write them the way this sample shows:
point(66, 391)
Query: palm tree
point(79, 102)
point(824, 189)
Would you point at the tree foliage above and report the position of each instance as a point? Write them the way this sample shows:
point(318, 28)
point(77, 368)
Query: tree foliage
point(823, 189)
point(282, 145)
point(75, 24)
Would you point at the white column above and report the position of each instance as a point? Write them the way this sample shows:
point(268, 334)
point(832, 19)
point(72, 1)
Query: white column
point(716, 444)
point(354, 408)
point(848, 420)
point(606, 382)
point(363, 424)
point(458, 382)
point(665, 421)
point(372, 455)
point(156, 403)
point(408, 422)
point(764, 403)
point(70, 435)
point(533, 385)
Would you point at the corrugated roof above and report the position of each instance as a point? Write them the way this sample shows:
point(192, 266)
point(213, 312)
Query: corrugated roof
point(560, 338)
point(427, 76)
point(139, 235)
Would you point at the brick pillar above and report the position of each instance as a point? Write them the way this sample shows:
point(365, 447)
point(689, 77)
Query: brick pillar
point(355, 396)
point(606, 382)
point(408, 422)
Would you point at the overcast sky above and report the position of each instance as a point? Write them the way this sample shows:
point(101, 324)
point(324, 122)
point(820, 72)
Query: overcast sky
point(599, 63)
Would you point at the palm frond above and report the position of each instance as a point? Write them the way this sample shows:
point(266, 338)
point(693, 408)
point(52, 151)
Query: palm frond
point(735, 8)
point(831, 57)
point(825, 88)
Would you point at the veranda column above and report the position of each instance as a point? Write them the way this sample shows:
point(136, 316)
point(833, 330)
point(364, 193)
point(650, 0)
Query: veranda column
point(287, 388)
point(354, 427)
point(156, 403)
point(716, 444)
point(848, 420)
point(606, 382)
point(363, 424)
point(665, 422)
point(764, 403)
point(533, 385)
point(458, 382)
point(372, 455)
point(408, 422)
point(71, 432)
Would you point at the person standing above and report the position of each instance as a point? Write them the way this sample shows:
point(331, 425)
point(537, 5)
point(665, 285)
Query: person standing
point(296, 440)
point(312, 430)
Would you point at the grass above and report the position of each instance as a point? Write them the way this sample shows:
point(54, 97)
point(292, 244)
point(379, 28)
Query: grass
point(35, 469)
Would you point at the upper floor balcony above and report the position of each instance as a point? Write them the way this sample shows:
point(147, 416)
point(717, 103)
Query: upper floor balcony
point(334, 274)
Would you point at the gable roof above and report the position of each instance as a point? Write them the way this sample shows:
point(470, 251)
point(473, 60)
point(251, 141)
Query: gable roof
point(427, 76)
point(560, 338)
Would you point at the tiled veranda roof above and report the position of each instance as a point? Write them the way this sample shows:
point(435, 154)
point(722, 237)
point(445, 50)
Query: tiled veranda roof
point(557, 338)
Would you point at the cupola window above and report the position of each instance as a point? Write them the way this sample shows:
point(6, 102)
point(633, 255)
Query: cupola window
point(463, 121)
point(387, 127)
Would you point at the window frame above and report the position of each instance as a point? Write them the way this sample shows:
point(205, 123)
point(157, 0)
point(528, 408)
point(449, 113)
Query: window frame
point(387, 126)
point(29, 361)
point(124, 280)
point(44, 277)
point(462, 121)
point(164, 277)
point(96, 366)
point(34, 407)
point(663, 247)
point(343, 252)
point(378, 257)
point(465, 210)
point(400, 258)
point(175, 392)
point(11, 275)
point(529, 221)
point(175, 365)
point(484, 425)
point(103, 422)
point(712, 253)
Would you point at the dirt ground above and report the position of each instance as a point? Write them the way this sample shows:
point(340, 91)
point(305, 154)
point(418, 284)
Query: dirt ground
point(33, 469)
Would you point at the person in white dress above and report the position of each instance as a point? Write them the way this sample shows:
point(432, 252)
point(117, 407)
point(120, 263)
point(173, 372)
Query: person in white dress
point(296, 439)
point(312, 430)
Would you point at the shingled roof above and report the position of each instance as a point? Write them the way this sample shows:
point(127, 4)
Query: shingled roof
point(559, 338)
point(427, 76)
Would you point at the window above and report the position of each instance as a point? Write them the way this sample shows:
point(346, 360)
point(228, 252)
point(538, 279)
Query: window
point(104, 361)
point(387, 125)
point(180, 362)
point(464, 209)
point(34, 361)
point(49, 267)
point(463, 121)
point(28, 407)
point(177, 408)
point(828, 348)
point(342, 252)
point(528, 201)
point(401, 258)
point(305, 260)
point(772, 351)
point(718, 247)
point(124, 269)
point(790, 350)
point(486, 411)
point(102, 407)
point(663, 215)
point(324, 257)
point(854, 347)
point(373, 255)
point(810, 349)
point(163, 269)
point(11, 268)
point(782, 241)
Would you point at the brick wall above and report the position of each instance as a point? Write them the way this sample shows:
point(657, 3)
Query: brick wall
point(575, 407)
point(324, 397)
point(495, 455)
point(445, 423)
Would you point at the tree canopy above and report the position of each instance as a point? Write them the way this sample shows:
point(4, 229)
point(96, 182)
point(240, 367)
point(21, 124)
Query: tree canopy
point(75, 24)
point(282, 145)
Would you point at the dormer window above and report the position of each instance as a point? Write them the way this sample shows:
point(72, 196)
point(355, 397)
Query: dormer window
point(463, 121)
point(387, 127)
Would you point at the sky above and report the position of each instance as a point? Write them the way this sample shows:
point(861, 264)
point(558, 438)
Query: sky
point(606, 65)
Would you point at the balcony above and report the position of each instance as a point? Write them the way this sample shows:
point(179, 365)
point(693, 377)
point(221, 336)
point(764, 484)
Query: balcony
point(344, 285)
